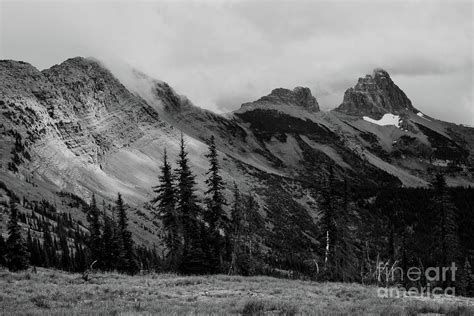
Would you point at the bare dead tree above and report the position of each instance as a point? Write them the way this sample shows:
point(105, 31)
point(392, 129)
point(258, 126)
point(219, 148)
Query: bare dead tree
point(87, 272)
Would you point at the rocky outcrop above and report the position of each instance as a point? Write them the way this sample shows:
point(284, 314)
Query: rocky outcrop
point(298, 97)
point(375, 95)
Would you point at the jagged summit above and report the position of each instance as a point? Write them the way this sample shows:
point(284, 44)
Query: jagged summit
point(375, 94)
point(298, 97)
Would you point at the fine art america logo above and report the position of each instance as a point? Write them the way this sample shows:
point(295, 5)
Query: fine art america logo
point(437, 280)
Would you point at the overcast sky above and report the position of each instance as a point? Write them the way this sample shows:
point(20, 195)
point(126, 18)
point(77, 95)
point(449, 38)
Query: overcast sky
point(221, 54)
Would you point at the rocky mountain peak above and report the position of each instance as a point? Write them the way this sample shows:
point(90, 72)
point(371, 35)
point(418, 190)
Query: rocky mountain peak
point(79, 69)
point(375, 94)
point(298, 97)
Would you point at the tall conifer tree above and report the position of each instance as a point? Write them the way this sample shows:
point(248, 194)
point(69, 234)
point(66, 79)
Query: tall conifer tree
point(17, 253)
point(188, 208)
point(165, 205)
point(48, 247)
point(127, 260)
point(109, 244)
point(337, 237)
point(95, 241)
point(328, 220)
point(447, 246)
point(236, 227)
point(65, 253)
point(3, 251)
point(215, 215)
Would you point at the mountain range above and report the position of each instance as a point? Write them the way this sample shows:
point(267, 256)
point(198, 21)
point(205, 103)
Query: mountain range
point(77, 127)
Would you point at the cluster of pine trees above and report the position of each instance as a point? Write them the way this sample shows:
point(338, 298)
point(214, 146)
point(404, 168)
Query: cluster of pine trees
point(67, 245)
point(19, 153)
point(416, 227)
point(52, 250)
point(195, 236)
point(199, 236)
point(110, 242)
point(56, 252)
point(337, 233)
point(14, 252)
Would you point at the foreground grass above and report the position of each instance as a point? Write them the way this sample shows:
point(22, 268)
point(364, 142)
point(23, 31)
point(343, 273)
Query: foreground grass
point(58, 293)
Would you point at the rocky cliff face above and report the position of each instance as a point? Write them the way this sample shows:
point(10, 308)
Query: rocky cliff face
point(78, 103)
point(375, 95)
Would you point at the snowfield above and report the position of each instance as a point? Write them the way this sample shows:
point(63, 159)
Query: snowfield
point(387, 119)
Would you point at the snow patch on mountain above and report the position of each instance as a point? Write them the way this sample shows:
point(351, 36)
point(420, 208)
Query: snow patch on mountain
point(387, 119)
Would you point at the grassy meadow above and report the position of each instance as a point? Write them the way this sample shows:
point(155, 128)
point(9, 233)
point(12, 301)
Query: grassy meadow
point(50, 292)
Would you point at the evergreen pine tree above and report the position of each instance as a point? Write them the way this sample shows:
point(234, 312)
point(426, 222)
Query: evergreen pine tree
point(215, 215)
point(36, 251)
point(116, 241)
point(165, 206)
point(193, 260)
point(328, 223)
point(344, 254)
point(236, 224)
point(17, 253)
point(48, 247)
point(338, 240)
point(470, 280)
point(446, 229)
point(66, 263)
point(109, 244)
point(94, 242)
point(127, 260)
point(463, 278)
point(79, 257)
point(3, 251)
point(250, 258)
